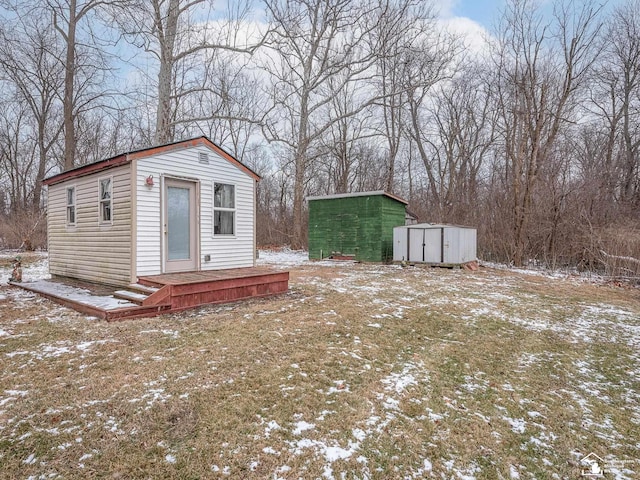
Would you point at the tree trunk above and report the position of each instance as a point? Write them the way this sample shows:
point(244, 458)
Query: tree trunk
point(69, 81)
point(297, 239)
point(164, 125)
point(42, 165)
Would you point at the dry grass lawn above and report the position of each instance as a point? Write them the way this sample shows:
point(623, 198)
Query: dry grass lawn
point(361, 371)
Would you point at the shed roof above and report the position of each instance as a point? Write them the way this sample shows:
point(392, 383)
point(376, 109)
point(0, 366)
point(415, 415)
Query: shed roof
point(359, 194)
point(127, 157)
point(435, 225)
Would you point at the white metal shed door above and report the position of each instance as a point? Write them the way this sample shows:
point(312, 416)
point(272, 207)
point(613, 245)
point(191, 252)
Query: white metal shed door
point(452, 245)
point(432, 247)
point(424, 245)
point(400, 244)
point(416, 245)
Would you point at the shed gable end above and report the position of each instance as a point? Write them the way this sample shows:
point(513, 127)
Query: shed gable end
point(359, 225)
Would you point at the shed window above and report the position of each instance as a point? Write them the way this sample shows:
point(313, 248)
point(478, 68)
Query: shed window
point(71, 205)
point(224, 209)
point(105, 200)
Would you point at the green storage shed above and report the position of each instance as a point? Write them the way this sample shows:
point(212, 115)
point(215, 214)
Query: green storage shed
point(354, 225)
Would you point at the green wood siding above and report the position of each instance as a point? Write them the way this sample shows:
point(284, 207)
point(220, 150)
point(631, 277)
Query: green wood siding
point(360, 226)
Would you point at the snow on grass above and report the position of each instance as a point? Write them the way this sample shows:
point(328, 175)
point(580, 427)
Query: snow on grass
point(35, 265)
point(329, 449)
point(518, 425)
point(463, 375)
point(399, 382)
point(302, 426)
point(47, 351)
point(284, 257)
point(271, 426)
point(36, 271)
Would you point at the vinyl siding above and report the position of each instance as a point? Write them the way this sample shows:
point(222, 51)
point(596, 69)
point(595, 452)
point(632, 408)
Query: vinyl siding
point(89, 250)
point(225, 251)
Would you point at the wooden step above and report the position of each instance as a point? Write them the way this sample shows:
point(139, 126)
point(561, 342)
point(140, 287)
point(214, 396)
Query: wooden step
point(133, 297)
point(150, 283)
point(137, 287)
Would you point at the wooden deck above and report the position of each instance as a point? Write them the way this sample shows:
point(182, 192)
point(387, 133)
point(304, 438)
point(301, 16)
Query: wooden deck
point(190, 289)
point(166, 293)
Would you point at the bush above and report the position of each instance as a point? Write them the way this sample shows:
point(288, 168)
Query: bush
point(25, 230)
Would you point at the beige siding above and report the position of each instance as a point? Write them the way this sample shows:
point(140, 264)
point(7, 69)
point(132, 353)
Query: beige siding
point(89, 250)
point(225, 251)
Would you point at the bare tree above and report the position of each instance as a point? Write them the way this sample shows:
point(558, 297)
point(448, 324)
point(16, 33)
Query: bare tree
point(29, 59)
point(461, 134)
point(314, 41)
point(539, 68)
point(424, 69)
point(229, 110)
point(398, 38)
point(617, 101)
point(14, 164)
point(179, 34)
point(83, 57)
point(344, 138)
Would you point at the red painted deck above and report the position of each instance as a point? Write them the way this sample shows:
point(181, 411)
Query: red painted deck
point(190, 289)
point(176, 291)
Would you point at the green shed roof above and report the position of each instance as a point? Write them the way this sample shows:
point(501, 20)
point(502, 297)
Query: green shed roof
point(359, 194)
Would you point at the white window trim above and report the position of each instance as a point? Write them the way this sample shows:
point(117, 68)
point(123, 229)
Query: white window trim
point(74, 205)
point(101, 221)
point(224, 209)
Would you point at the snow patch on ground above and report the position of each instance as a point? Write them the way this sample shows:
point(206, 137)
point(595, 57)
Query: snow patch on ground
point(37, 270)
point(406, 381)
point(302, 426)
point(284, 257)
point(44, 351)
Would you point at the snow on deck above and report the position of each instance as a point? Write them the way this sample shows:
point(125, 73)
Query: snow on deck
point(79, 295)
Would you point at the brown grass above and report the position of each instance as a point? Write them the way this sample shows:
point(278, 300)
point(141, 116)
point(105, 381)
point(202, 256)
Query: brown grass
point(392, 367)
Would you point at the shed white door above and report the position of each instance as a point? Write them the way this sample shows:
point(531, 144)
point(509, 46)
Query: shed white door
point(424, 245)
point(181, 226)
point(432, 245)
point(416, 245)
point(451, 245)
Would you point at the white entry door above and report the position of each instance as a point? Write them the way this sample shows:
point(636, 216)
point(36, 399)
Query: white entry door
point(181, 226)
